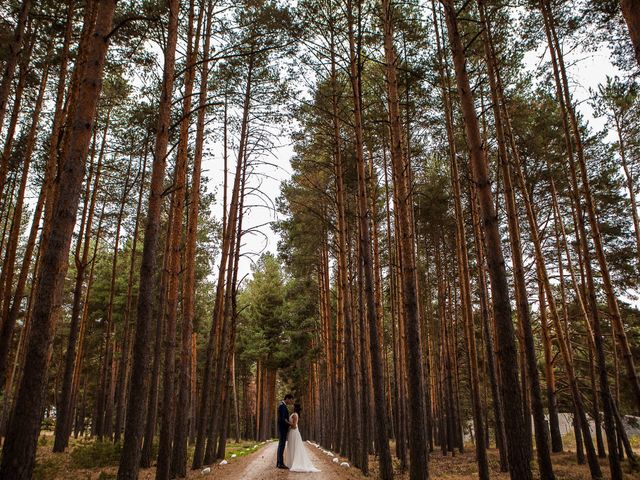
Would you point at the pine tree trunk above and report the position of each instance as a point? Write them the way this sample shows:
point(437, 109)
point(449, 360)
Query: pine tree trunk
point(401, 175)
point(630, 187)
point(168, 419)
point(79, 356)
point(136, 406)
point(465, 285)
point(500, 433)
point(204, 429)
point(125, 358)
point(522, 303)
point(13, 122)
point(631, 14)
point(469, 328)
point(183, 417)
point(106, 393)
point(64, 407)
point(579, 412)
point(232, 238)
point(384, 455)
point(344, 304)
point(552, 399)
point(519, 454)
point(18, 454)
point(7, 320)
point(154, 393)
point(569, 111)
point(15, 45)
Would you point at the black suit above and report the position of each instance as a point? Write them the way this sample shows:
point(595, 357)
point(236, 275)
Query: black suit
point(283, 430)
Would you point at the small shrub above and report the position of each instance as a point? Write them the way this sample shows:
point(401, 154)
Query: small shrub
point(47, 469)
point(96, 455)
point(49, 424)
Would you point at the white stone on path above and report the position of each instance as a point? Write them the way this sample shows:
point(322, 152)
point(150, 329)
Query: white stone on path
point(223, 462)
point(344, 464)
point(335, 460)
point(234, 455)
point(205, 471)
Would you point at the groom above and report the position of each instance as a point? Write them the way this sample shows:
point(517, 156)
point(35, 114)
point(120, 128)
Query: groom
point(283, 428)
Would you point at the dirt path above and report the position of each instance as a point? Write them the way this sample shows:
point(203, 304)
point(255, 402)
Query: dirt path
point(260, 465)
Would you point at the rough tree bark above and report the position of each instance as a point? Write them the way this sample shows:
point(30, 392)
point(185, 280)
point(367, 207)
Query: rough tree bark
point(18, 455)
point(168, 419)
point(183, 417)
point(568, 111)
point(15, 44)
point(64, 410)
point(125, 358)
point(519, 455)
point(8, 321)
point(136, 407)
point(418, 465)
point(522, 303)
point(631, 13)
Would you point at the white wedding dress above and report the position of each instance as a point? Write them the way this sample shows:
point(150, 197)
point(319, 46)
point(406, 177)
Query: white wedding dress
point(295, 455)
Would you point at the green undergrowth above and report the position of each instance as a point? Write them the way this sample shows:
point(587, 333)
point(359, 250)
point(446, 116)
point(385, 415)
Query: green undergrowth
point(240, 449)
point(96, 455)
point(90, 454)
point(48, 468)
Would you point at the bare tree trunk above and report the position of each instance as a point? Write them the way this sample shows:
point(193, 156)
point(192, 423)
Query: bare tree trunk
point(222, 310)
point(168, 420)
point(64, 407)
point(382, 443)
point(630, 186)
point(18, 454)
point(579, 411)
point(401, 175)
point(154, 393)
point(106, 393)
point(541, 431)
point(467, 314)
point(569, 111)
point(552, 399)
point(465, 285)
point(344, 295)
point(183, 417)
point(519, 454)
point(631, 14)
point(204, 429)
point(13, 122)
point(79, 356)
point(136, 407)
point(15, 44)
point(125, 358)
point(8, 321)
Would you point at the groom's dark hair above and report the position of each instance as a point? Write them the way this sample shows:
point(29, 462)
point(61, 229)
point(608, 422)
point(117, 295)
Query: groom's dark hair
point(288, 396)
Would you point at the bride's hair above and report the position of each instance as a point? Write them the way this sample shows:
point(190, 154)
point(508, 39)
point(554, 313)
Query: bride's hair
point(297, 408)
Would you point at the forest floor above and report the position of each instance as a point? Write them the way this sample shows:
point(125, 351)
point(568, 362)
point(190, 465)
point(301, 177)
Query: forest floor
point(90, 460)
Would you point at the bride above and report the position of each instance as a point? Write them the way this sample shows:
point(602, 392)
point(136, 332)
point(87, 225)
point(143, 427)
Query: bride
point(296, 456)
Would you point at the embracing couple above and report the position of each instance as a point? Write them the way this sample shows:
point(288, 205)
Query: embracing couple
point(297, 459)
